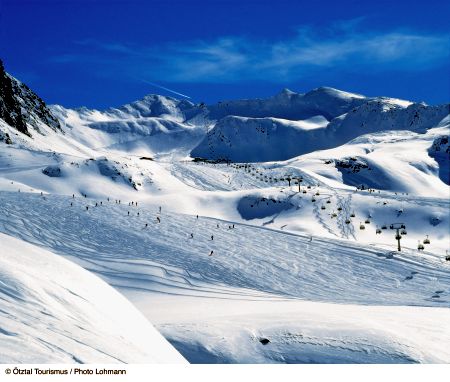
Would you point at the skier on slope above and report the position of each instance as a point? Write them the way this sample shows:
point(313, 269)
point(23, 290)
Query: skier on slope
point(211, 253)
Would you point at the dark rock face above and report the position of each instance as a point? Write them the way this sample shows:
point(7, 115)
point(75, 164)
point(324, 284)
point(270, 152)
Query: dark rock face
point(440, 152)
point(4, 137)
point(20, 106)
point(10, 110)
point(351, 164)
point(52, 171)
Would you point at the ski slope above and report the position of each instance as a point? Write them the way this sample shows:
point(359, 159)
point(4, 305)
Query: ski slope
point(252, 269)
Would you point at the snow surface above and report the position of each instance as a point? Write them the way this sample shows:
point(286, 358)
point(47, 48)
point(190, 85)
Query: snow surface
point(290, 266)
point(53, 311)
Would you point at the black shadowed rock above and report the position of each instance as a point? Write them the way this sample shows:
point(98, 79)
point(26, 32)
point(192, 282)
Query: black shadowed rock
point(21, 108)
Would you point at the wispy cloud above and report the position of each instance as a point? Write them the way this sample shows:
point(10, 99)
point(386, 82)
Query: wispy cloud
point(342, 46)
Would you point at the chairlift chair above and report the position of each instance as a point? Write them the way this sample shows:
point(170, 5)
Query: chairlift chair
point(362, 226)
point(426, 241)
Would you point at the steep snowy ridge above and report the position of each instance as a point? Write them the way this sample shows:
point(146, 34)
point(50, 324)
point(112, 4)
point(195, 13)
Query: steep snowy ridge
point(154, 105)
point(150, 126)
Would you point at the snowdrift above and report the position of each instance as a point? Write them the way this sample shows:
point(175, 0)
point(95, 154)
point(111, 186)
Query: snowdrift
point(53, 311)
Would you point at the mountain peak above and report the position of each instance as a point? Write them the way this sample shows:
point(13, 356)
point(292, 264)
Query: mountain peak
point(333, 92)
point(286, 91)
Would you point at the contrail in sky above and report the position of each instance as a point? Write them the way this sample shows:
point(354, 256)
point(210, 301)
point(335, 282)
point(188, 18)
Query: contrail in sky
point(164, 88)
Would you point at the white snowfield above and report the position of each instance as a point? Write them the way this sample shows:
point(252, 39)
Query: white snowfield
point(229, 261)
point(53, 311)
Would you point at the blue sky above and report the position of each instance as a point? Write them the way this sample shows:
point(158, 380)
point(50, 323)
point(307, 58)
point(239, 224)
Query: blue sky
point(106, 53)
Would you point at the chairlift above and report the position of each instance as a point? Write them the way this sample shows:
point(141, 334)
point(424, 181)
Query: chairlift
point(384, 226)
point(378, 231)
point(403, 232)
point(334, 214)
point(304, 191)
point(317, 193)
point(367, 221)
point(362, 226)
point(328, 201)
point(347, 221)
point(426, 241)
point(322, 208)
point(420, 246)
point(313, 200)
point(352, 215)
point(339, 208)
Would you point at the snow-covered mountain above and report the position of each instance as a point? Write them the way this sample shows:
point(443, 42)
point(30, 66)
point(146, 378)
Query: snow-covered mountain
point(245, 139)
point(287, 104)
point(234, 261)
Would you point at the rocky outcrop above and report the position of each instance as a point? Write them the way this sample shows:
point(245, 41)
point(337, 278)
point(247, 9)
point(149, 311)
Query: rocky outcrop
point(21, 108)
